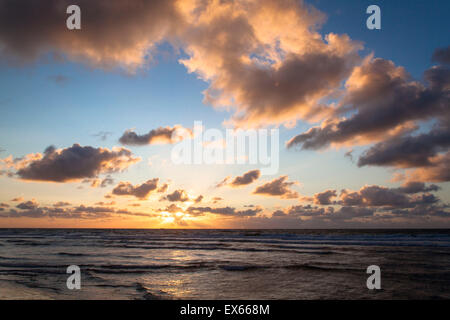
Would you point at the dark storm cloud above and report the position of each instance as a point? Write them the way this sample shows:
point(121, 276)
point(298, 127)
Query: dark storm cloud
point(75, 163)
point(442, 55)
point(246, 178)
point(277, 187)
point(166, 135)
point(139, 191)
point(384, 102)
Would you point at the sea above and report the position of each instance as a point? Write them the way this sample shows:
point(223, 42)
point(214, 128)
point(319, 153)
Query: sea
point(224, 264)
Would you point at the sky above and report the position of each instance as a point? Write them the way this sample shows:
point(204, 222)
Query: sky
point(90, 118)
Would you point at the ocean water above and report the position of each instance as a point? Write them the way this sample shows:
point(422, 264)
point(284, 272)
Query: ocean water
point(224, 264)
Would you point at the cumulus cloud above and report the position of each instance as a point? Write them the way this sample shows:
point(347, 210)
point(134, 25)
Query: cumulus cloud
point(163, 188)
point(226, 211)
point(28, 205)
point(437, 171)
point(407, 151)
point(324, 198)
point(303, 211)
point(177, 195)
point(33, 210)
point(162, 135)
point(61, 204)
point(411, 187)
point(254, 54)
point(246, 178)
point(141, 191)
point(277, 187)
point(384, 103)
point(112, 34)
point(379, 196)
point(73, 163)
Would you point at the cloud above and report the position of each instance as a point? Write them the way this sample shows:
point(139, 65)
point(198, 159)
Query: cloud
point(4, 205)
point(437, 171)
point(172, 208)
point(226, 211)
point(254, 54)
point(61, 204)
point(28, 205)
point(177, 195)
point(378, 196)
point(407, 151)
point(163, 135)
point(73, 163)
point(383, 103)
point(442, 55)
point(416, 187)
point(78, 212)
point(312, 213)
point(163, 188)
point(102, 183)
point(277, 187)
point(216, 199)
point(223, 182)
point(102, 203)
point(246, 178)
point(139, 191)
point(352, 212)
point(302, 211)
point(112, 34)
point(198, 199)
point(324, 198)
